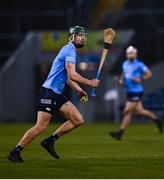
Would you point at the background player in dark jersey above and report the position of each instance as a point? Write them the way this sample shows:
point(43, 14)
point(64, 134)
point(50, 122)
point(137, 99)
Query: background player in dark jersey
point(51, 98)
point(134, 73)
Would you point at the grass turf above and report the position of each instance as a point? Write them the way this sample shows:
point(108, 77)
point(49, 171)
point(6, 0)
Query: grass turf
point(87, 152)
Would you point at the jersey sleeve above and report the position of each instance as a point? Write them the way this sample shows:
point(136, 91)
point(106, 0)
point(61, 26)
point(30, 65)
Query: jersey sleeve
point(70, 56)
point(144, 68)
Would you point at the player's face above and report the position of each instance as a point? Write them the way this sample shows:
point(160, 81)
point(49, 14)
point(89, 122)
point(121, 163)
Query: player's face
point(131, 56)
point(80, 40)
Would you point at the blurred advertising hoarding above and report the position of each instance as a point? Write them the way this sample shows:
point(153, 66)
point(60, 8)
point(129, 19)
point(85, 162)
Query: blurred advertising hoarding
point(51, 42)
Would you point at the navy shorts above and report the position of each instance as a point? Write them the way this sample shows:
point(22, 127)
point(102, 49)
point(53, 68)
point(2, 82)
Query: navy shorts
point(49, 101)
point(134, 97)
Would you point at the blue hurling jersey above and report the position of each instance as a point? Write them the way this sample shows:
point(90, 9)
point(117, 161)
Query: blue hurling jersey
point(57, 76)
point(133, 69)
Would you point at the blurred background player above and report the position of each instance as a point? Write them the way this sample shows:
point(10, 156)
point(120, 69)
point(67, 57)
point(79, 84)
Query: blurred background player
point(51, 97)
point(135, 72)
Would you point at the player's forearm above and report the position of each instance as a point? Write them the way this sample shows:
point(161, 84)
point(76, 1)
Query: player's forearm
point(120, 80)
point(73, 85)
point(147, 75)
point(79, 79)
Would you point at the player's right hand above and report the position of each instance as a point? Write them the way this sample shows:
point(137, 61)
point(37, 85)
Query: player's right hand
point(120, 82)
point(94, 83)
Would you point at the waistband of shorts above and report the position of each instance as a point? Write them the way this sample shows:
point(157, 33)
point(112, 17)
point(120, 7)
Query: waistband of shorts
point(50, 90)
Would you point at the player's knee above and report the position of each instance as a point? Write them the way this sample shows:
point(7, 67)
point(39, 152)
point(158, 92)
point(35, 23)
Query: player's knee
point(127, 111)
point(79, 121)
point(139, 111)
point(40, 128)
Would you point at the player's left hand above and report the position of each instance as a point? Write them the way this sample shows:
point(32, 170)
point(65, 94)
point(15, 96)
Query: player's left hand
point(137, 80)
point(83, 96)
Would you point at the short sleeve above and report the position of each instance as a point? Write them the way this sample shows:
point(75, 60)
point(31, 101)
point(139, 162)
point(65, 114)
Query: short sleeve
point(70, 56)
point(144, 67)
point(70, 60)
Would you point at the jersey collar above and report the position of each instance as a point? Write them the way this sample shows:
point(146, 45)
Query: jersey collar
point(132, 61)
point(72, 45)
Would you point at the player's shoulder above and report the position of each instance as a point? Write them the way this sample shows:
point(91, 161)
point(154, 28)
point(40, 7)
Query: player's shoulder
point(139, 62)
point(125, 62)
point(69, 49)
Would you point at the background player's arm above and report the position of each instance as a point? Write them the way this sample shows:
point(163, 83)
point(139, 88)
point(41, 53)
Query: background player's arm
point(120, 80)
point(74, 76)
point(147, 74)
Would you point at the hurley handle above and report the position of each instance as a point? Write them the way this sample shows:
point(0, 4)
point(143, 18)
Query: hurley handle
point(108, 35)
point(93, 92)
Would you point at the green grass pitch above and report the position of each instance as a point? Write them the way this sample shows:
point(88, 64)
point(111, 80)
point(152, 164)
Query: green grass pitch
point(87, 152)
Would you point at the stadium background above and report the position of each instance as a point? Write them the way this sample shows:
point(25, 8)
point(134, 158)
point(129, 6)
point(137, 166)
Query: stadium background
point(31, 33)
